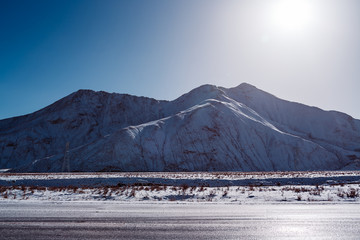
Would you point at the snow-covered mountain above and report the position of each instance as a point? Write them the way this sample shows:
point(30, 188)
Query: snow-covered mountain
point(208, 129)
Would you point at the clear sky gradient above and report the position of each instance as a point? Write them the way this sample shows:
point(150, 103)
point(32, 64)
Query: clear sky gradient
point(307, 52)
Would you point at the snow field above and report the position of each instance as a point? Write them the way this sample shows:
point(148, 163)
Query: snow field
point(237, 187)
point(185, 193)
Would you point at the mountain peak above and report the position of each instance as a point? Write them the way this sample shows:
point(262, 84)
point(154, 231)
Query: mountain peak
point(244, 88)
point(206, 88)
point(245, 85)
point(82, 92)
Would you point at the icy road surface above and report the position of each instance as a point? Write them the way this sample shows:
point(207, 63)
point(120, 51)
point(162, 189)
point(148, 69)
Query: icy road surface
point(109, 220)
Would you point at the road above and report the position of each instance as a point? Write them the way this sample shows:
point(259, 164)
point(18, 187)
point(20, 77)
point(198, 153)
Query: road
point(110, 220)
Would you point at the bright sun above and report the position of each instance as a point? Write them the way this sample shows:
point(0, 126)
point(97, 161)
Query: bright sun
point(292, 15)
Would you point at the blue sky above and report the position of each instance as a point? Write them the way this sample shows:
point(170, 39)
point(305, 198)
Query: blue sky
point(162, 49)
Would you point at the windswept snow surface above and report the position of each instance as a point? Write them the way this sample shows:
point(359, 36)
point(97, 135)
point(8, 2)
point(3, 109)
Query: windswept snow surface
point(230, 187)
point(208, 129)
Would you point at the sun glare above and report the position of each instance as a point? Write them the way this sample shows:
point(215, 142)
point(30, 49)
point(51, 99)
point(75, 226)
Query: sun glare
point(292, 15)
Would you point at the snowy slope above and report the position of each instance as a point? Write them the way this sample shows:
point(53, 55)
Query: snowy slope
point(309, 122)
point(208, 129)
point(79, 118)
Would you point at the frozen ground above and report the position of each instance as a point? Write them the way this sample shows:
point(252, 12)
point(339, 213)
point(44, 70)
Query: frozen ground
point(230, 187)
point(118, 220)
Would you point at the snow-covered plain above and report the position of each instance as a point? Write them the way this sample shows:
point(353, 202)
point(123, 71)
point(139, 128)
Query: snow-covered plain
point(229, 187)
